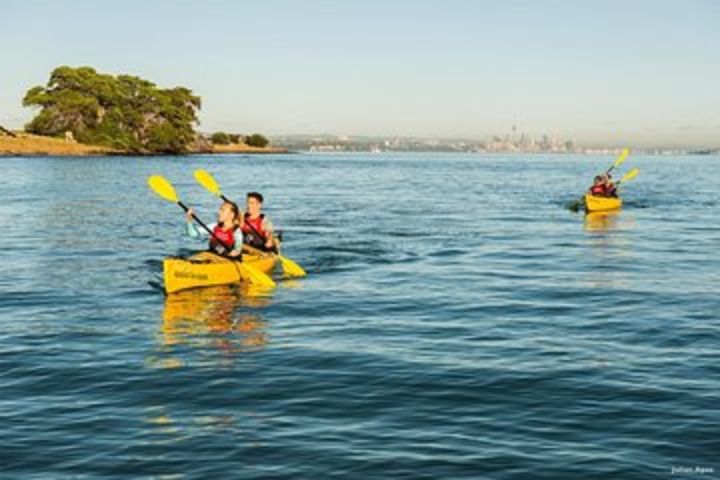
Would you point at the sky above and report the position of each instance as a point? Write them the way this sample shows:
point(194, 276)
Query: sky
point(601, 72)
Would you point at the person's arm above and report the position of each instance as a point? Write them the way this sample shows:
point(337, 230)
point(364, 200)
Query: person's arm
point(237, 251)
point(238, 235)
point(268, 227)
point(192, 230)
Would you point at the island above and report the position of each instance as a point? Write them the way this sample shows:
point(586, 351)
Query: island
point(82, 112)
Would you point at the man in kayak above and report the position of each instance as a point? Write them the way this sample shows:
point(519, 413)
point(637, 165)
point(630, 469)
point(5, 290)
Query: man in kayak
point(227, 229)
point(610, 188)
point(598, 187)
point(256, 227)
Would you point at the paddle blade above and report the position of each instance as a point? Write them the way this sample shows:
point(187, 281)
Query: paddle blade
point(576, 205)
point(162, 188)
point(206, 180)
point(256, 277)
point(291, 268)
point(630, 175)
point(621, 158)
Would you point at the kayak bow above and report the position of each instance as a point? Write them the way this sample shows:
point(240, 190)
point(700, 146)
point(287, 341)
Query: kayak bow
point(601, 204)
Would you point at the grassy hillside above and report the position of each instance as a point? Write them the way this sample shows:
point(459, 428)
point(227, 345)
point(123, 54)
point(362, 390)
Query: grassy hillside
point(26, 144)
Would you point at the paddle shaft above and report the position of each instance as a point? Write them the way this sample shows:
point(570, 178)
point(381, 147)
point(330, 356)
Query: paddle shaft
point(207, 229)
point(617, 162)
point(617, 185)
point(628, 176)
point(256, 251)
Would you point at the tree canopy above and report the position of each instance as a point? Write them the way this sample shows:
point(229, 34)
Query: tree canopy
point(257, 140)
point(123, 111)
point(220, 138)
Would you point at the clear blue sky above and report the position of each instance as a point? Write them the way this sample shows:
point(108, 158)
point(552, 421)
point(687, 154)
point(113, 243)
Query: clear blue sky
point(633, 71)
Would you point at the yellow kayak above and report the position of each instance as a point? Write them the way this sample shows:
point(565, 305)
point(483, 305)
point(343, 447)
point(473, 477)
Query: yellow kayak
point(601, 204)
point(205, 269)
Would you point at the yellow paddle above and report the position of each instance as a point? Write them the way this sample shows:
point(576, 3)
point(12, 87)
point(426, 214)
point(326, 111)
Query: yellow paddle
point(628, 176)
point(204, 178)
point(619, 160)
point(208, 181)
point(165, 190)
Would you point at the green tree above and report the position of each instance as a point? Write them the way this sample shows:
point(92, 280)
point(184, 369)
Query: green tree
point(257, 140)
point(220, 138)
point(123, 112)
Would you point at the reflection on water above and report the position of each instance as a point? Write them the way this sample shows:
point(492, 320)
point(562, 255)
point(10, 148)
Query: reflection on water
point(609, 244)
point(601, 221)
point(407, 349)
point(170, 429)
point(216, 323)
point(214, 317)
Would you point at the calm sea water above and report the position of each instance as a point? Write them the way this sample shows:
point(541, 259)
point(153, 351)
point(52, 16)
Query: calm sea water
point(458, 321)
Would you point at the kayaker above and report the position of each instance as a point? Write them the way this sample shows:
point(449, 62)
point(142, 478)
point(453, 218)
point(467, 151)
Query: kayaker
point(257, 229)
point(610, 188)
point(227, 229)
point(598, 187)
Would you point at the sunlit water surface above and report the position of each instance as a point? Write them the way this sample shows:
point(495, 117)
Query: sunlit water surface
point(458, 321)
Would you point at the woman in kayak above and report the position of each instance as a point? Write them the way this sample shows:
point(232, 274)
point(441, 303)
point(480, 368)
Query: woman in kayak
point(256, 227)
point(227, 229)
point(598, 187)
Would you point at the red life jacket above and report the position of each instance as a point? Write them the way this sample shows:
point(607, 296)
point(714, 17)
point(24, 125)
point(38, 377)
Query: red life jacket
point(598, 190)
point(254, 234)
point(226, 236)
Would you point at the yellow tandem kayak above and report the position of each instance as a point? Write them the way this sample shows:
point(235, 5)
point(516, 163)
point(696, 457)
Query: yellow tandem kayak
point(206, 269)
point(601, 204)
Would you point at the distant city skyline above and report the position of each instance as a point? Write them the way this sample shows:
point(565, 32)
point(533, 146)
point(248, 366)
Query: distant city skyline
point(613, 73)
point(509, 143)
